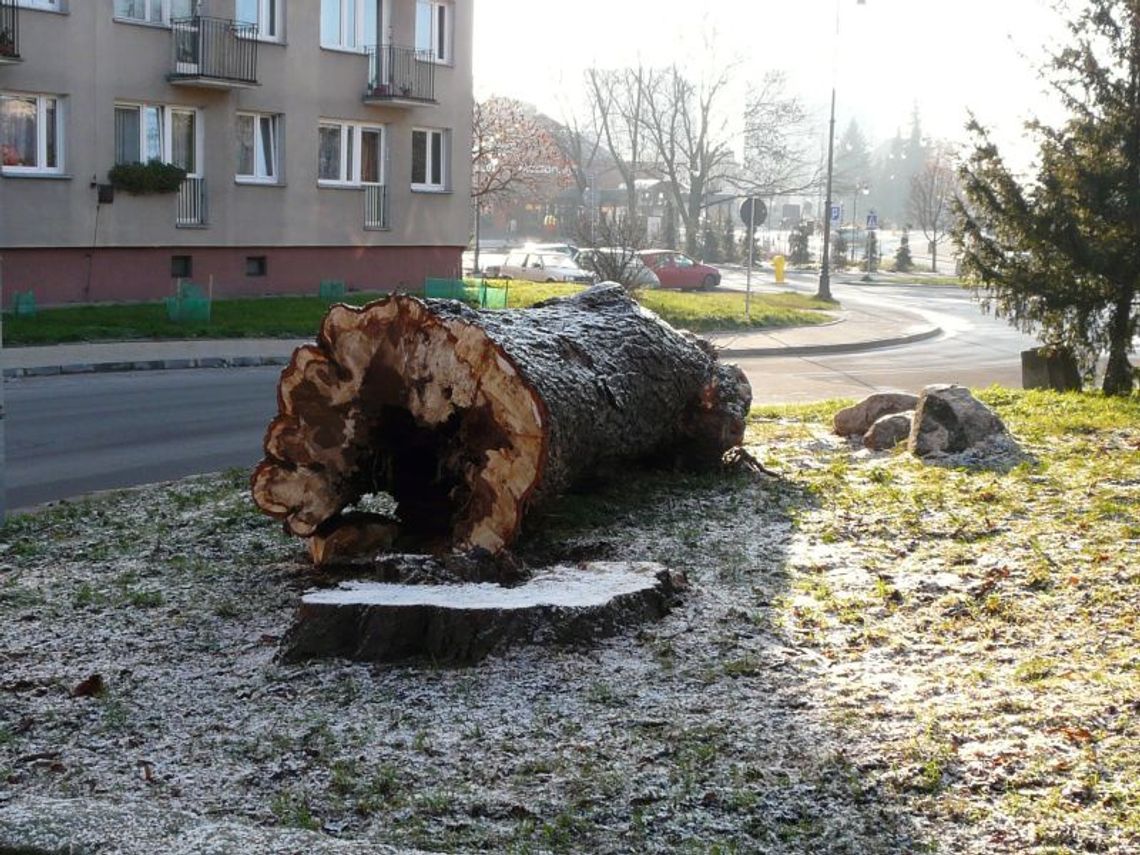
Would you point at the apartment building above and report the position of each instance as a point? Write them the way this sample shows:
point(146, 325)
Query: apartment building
point(321, 139)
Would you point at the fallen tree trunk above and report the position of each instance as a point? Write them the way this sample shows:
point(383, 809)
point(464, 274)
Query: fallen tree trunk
point(469, 418)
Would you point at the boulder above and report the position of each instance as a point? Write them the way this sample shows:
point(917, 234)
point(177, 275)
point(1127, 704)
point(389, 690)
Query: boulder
point(888, 431)
point(461, 623)
point(1050, 368)
point(857, 420)
point(949, 420)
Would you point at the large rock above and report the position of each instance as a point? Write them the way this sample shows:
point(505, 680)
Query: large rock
point(857, 420)
point(888, 431)
point(949, 420)
point(1050, 368)
point(384, 622)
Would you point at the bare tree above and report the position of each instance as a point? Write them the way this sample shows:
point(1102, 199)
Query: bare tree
point(579, 141)
point(617, 101)
point(689, 136)
point(512, 156)
point(932, 191)
point(778, 158)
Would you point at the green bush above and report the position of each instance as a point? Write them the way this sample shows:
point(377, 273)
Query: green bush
point(142, 179)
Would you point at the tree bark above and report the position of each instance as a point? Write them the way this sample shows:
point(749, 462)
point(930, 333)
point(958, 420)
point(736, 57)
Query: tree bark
point(471, 418)
point(1118, 372)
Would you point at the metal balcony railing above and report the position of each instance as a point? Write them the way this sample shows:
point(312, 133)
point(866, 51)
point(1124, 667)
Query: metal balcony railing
point(375, 207)
point(192, 207)
point(214, 52)
point(400, 74)
point(9, 31)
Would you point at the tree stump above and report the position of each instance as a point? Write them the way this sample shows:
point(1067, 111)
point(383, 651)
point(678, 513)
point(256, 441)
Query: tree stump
point(471, 418)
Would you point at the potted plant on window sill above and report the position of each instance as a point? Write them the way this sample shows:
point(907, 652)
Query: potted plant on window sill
point(145, 179)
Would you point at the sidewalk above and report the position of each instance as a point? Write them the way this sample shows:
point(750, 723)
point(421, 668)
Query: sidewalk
point(854, 330)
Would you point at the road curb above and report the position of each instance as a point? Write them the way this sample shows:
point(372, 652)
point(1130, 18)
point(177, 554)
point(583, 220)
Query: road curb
point(146, 365)
point(838, 347)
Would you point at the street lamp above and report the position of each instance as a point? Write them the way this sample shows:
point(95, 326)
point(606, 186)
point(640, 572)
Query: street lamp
point(824, 292)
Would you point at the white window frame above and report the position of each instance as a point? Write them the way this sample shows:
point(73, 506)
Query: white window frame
point(428, 186)
point(447, 57)
point(164, 18)
point(166, 115)
point(49, 5)
point(266, 10)
point(350, 171)
point(42, 136)
point(356, 45)
point(275, 125)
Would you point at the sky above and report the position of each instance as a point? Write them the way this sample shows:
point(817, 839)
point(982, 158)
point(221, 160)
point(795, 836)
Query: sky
point(885, 56)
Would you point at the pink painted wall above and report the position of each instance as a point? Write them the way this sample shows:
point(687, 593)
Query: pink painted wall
point(121, 274)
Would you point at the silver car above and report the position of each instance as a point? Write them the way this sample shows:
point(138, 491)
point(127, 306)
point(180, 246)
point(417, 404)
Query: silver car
point(543, 267)
point(624, 264)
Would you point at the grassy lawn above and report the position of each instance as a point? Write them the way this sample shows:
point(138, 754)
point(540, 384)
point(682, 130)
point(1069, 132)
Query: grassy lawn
point(298, 317)
point(878, 656)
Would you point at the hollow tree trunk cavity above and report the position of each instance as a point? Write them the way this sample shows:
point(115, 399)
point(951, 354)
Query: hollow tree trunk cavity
point(470, 418)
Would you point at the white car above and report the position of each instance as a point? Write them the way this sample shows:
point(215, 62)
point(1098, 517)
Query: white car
point(543, 267)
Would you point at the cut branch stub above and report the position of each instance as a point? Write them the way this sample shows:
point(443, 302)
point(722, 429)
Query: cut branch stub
point(469, 417)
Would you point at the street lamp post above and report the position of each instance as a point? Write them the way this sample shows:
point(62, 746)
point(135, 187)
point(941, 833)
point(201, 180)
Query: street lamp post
point(824, 292)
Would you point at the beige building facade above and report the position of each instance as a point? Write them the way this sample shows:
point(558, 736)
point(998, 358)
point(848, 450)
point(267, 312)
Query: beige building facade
point(321, 139)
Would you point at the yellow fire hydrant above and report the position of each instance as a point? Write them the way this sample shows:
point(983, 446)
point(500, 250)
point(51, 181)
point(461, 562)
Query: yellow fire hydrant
point(779, 262)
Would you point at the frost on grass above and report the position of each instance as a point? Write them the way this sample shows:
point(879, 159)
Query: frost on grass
point(877, 656)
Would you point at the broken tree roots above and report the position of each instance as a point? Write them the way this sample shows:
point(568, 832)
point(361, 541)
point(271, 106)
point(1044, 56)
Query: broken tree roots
point(470, 418)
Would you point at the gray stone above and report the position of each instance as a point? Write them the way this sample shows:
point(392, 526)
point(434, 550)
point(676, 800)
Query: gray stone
point(888, 431)
point(949, 420)
point(857, 420)
point(462, 623)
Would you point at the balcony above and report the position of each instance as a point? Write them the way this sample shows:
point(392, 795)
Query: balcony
point(400, 77)
point(192, 209)
point(215, 53)
point(375, 207)
point(9, 32)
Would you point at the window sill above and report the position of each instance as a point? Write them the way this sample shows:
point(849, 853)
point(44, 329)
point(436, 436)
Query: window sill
point(44, 9)
point(431, 191)
point(150, 25)
point(257, 182)
point(50, 176)
point(339, 185)
point(351, 51)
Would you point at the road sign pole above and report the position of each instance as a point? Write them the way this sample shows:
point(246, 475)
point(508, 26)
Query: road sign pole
point(3, 483)
point(751, 254)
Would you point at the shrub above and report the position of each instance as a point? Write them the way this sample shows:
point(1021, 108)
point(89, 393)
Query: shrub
point(142, 179)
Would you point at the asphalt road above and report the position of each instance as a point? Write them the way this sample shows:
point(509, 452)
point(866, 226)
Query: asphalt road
point(71, 435)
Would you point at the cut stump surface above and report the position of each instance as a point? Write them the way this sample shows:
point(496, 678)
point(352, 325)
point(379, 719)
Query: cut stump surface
point(382, 622)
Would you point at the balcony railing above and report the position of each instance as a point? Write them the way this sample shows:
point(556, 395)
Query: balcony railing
point(192, 208)
point(9, 31)
point(400, 75)
point(375, 207)
point(214, 52)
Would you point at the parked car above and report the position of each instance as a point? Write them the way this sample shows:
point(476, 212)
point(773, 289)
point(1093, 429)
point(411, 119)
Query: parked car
point(559, 248)
point(543, 267)
point(677, 270)
point(616, 263)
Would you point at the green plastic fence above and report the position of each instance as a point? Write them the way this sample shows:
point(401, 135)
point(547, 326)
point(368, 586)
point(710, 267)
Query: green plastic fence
point(191, 305)
point(477, 294)
point(24, 304)
point(331, 289)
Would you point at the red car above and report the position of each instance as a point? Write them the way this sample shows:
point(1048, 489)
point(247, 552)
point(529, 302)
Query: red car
point(677, 270)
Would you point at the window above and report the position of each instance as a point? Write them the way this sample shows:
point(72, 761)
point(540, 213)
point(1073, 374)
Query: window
point(433, 29)
point(31, 134)
point(145, 132)
point(258, 138)
point(265, 13)
point(153, 11)
point(350, 154)
point(181, 266)
point(342, 23)
point(256, 265)
point(430, 160)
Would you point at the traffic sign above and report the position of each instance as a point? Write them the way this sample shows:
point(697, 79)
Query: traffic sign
point(836, 213)
point(750, 208)
point(872, 221)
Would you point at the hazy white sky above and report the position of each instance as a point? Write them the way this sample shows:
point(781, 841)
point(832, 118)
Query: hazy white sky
point(948, 55)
